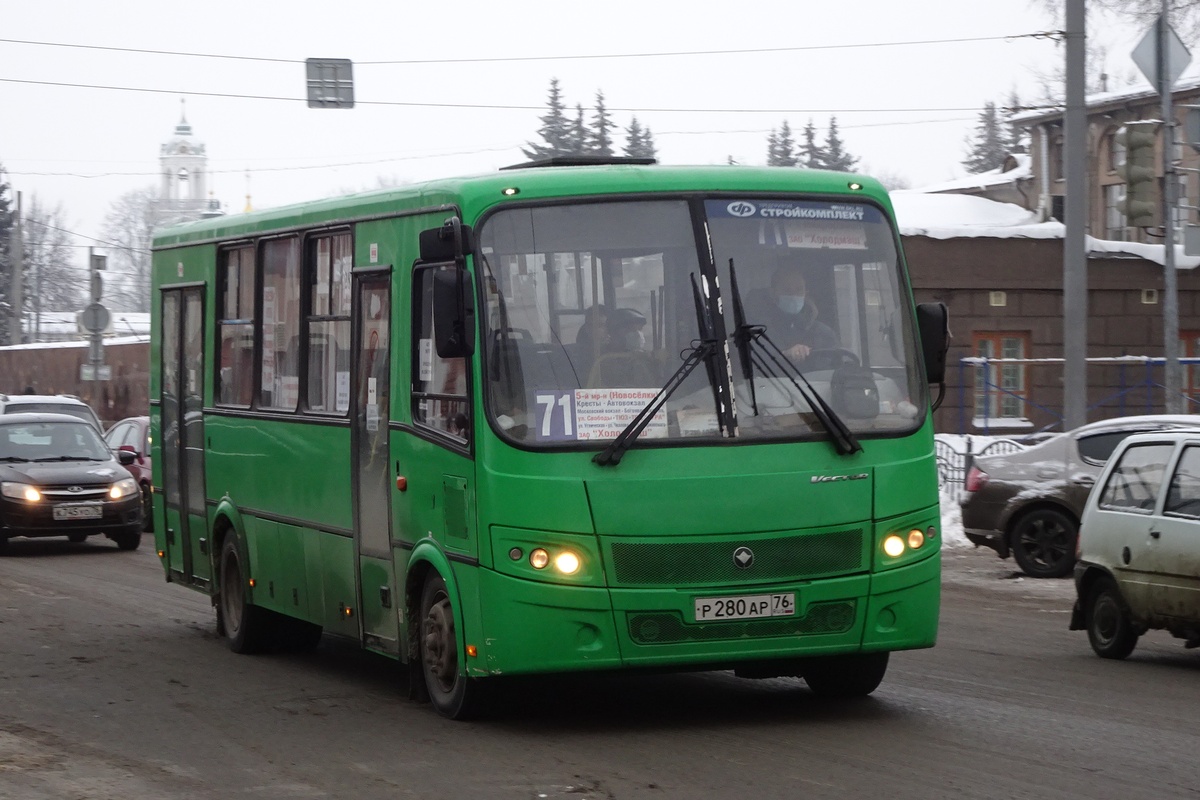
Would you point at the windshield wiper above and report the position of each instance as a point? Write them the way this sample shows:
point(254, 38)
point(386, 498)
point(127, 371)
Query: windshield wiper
point(65, 458)
point(14, 459)
point(705, 349)
point(746, 336)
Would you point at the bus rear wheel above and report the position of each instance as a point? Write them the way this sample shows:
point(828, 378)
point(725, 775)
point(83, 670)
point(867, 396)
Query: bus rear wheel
point(451, 692)
point(846, 676)
point(245, 626)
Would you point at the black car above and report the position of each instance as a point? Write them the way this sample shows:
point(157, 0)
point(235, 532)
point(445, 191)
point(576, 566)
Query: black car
point(58, 478)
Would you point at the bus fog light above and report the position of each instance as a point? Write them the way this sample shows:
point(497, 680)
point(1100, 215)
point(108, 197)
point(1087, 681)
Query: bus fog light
point(893, 546)
point(566, 562)
point(915, 538)
point(539, 558)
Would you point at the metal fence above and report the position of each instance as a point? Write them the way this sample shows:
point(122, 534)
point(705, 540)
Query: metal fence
point(1134, 382)
point(956, 454)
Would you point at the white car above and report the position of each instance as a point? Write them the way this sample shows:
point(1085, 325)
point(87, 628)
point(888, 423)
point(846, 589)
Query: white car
point(1138, 564)
point(49, 404)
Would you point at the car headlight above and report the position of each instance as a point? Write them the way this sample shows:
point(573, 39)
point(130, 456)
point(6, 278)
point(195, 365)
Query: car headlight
point(20, 491)
point(122, 488)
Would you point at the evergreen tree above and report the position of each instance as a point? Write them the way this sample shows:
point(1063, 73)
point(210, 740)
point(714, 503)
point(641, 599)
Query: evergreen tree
point(781, 147)
point(600, 142)
point(990, 145)
point(639, 142)
point(580, 136)
point(811, 154)
point(1016, 137)
point(836, 157)
point(555, 130)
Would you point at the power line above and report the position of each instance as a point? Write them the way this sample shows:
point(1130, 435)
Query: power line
point(500, 107)
point(1053, 35)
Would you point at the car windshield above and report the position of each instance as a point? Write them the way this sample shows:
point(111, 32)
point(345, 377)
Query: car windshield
point(591, 308)
point(51, 441)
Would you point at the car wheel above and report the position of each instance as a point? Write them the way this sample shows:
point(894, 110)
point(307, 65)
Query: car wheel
point(128, 541)
point(1043, 543)
point(246, 626)
point(452, 693)
point(76, 538)
point(1110, 629)
point(846, 676)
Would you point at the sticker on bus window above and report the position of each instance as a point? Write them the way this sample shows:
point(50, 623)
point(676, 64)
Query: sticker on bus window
point(594, 414)
point(839, 236)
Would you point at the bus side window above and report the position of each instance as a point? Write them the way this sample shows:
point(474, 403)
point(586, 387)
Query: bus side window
point(440, 399)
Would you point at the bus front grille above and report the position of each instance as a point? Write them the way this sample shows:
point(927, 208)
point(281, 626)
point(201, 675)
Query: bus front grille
point(797, 557)
point(667, 627)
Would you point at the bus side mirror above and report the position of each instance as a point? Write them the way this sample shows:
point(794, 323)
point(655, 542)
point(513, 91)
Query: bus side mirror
point(453, 314)
point(933, 325)
point(451, 242)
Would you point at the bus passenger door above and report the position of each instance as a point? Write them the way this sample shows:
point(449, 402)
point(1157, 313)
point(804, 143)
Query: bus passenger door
point(370, 458)
point(182, 403)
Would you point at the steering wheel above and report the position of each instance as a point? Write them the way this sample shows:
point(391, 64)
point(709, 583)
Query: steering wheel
point(833, 356)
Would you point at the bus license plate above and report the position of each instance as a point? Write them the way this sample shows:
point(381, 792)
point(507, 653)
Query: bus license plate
point(752, 606)
point(92, 511)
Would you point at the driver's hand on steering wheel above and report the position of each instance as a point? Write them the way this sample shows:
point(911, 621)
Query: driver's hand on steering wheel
point(798, 352)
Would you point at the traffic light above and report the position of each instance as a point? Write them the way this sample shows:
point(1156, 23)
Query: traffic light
point(1142, 204)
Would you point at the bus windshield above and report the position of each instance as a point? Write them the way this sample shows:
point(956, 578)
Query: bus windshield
point(592, 307)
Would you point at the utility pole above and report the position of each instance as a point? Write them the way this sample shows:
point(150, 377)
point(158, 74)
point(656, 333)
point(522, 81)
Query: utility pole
point(1075, 305)
point(1173, 377)
point(16, 328)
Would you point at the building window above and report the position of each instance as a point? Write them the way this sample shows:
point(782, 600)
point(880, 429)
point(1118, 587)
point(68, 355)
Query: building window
point(281, 324)
point(1000, 389)
point(235, 324)
point(1116, 150)
point(1114, 212)
point(328, 320)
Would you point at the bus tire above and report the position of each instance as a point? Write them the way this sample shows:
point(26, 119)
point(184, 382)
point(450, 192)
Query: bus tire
point(451, 692)
point(846, 676)
point(246, 626)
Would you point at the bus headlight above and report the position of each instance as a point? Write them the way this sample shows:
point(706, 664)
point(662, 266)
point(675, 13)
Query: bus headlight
point(20, 491)
point(122, 488)
point(539, 558)
point(566, 562)
point(916, 538)
point(893, 546)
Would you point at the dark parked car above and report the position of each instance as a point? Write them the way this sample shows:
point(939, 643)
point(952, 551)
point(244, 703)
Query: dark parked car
point(58, 478)
point(132, 435)
point(49, 404)
point(1028, 504)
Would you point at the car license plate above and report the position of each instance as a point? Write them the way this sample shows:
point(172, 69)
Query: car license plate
point(751, 606)
point(89, 511)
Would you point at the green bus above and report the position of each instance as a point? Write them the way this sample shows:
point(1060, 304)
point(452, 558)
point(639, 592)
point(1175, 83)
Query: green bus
point(578, 414)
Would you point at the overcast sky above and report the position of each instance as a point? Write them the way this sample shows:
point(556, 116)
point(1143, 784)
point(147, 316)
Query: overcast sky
point(82, 125)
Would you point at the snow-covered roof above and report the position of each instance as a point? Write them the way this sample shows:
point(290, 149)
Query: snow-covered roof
point(983, 180)
point(954, 216)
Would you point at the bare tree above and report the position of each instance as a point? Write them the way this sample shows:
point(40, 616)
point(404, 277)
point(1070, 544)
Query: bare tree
point(127, 232)
point(52, 281)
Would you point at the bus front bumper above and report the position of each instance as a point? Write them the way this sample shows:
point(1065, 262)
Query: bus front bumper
point(535, 627)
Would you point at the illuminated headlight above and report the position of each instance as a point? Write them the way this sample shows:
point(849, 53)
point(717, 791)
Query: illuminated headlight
point(893, 546)
point(123, 488)
point(916, 538)
point(20, 491)
point(566, 562)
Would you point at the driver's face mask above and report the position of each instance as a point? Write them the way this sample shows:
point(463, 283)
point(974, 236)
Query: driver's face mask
point(791, 303)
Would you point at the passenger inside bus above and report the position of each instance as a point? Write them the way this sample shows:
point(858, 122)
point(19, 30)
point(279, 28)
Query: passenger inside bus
point(625, 362)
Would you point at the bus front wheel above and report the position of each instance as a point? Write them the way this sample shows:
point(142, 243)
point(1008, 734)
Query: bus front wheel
point(451, 692)
point(245, 625)
point(846, 676)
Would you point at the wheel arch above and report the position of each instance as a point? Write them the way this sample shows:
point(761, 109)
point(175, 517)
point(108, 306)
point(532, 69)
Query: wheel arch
point(227, 521)
point(427, 558)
